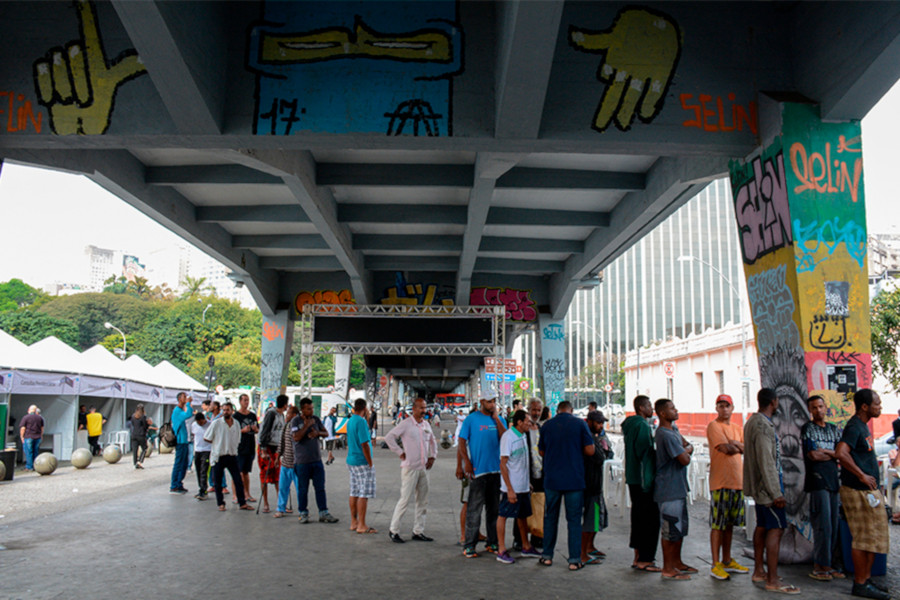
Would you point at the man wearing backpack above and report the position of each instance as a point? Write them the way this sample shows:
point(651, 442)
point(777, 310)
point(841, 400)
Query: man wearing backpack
point(180, 416)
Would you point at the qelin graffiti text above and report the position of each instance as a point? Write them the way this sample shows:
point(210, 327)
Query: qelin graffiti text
point(762, 210)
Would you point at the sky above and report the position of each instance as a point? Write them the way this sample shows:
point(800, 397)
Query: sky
point(49, 217)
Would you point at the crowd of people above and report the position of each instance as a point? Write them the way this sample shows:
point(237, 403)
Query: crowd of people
point(523, 469)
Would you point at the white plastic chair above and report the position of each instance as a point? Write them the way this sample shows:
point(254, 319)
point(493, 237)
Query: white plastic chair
point(121, 439)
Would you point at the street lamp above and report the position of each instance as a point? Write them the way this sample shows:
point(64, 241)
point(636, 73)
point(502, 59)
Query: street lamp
point(203, 318)
point(124, 350)
point(605, 345)
point(745, 385)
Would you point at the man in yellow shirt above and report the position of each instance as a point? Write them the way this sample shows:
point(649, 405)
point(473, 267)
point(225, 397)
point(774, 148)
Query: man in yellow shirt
point(95, 423)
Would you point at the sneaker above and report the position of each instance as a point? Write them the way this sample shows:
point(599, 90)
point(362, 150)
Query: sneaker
point(505, 558)
point(718, 572)
point(327, 518)
point(304, 518)
point(735, 567)
point(878, 586)
point(202, 497)
point(492, 548)
point(867, 590)
point(469, 552)
point(530, 553)
point(178, 491)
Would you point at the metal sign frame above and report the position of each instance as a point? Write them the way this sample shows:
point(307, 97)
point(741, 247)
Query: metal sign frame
point(309, 348)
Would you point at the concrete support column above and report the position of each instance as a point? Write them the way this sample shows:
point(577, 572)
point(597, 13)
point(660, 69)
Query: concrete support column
point(800, 211)
point(551, 354)
point(277, 335)
point(342, 375)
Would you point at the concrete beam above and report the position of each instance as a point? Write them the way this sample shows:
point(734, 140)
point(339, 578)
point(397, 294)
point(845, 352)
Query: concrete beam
point(280, 213)
point(570, 179)
point(412, 243)
point(527, 34)
point(183, 46)
point(530, 245)
point(213, 174)
point(346, 174)
point(310, 241)
point(411, 263)
point(515, 265)
point(300, 263)
point(500, 215)
point(436, 214)
point(670, 183)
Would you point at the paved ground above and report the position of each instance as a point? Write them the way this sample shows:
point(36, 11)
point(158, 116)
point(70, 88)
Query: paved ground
point(112, 532)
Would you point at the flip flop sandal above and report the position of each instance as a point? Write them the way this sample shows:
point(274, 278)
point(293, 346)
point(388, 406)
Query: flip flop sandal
point(835, 574)
point(245, 507)
point(222, 507)
point(784, 589)
point(689, 570)
point(597, 553)
point(651, 568)
point(679, 577)
point(369, 530)
point(593, 560)
point(821, 575)
point(545, 562)
point(576, 566)
point(265, 510)
point(278, 515)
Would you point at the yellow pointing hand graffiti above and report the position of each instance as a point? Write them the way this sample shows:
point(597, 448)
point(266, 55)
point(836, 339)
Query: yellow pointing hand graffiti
point(78, 83)
point(640, 52)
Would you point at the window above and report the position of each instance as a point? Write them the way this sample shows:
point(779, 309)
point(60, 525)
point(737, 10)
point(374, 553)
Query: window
point(700, 389)
point(720, 378)
point(670, 389)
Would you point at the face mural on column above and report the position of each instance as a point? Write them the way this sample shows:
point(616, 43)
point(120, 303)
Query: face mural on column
point(800, 212)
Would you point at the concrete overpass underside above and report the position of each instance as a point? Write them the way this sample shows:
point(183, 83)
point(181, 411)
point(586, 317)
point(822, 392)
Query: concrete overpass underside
point(468, 153)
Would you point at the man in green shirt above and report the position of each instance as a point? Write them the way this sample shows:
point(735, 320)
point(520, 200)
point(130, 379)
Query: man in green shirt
point(640, 469)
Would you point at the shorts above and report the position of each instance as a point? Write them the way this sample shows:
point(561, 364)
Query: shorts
point(726, 509)
point(329, 445)
point(868, 524)
point(673, 520)
point(464, 493)
point(595, 517)
point(362, 481)
point(771, 517)
point(245, 462)
point(520, 510)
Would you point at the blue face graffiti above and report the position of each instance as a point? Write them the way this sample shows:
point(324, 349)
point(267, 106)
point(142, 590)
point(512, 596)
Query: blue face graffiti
point(355, 67)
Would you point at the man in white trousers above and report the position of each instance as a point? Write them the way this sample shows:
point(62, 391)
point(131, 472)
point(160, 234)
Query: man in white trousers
point(416, 458)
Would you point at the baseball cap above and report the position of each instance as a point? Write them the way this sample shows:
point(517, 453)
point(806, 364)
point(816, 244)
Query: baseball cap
point(724, 398)
point(596, 416)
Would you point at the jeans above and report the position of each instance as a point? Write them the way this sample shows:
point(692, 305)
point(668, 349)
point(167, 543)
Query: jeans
point(190, 460)
point(315, 472)
point(823, 512)
point(484, 492)
point(31, 447)
point(138, 449)
point(179, 467)
point(201, 465)
point(574, 501)
point(228, 461)
point(644, 523)
point(285, 479)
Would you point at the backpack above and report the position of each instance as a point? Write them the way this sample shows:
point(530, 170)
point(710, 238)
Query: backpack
point(167, 435)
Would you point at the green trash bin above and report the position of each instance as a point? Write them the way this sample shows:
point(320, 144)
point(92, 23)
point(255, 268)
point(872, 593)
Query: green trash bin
point(9, 461)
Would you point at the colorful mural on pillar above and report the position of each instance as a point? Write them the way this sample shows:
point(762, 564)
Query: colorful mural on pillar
point(800, 213)
point(355, 67)
point(276, 348)
point(553, 360)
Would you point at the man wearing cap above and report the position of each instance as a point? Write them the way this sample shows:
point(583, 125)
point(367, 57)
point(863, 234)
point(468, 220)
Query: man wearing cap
point(726, 486)
point(595, 515)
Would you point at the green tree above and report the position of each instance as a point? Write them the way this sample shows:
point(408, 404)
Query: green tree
point(195, 287)
point(885, 320)
point(15, 294)
point(30, 326)
point(88, 312)
point(236, 365)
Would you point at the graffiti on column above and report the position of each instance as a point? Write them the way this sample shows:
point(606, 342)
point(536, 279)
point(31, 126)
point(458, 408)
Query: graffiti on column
point(518, 303)
point(712, 114)
point(640, 53)
point(773, 310)
point(78, 83)
point(762, 211)
point(368, 67)
point(335, 297)
point(822, 239)
point(417, 294)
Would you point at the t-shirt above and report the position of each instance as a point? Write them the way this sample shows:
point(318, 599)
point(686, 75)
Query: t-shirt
point(357, 437)
point(820, 475)
point(82, 420)
point(139, 427)
point(94, 424)
point(862, 451)
point(179, 423)
point(563, 439)
point(515, 445)
point(480, 432)
point(671, 475)
point(726, 472)
point(198, 431)
point(33, 424)
point(307, 450)
point(248, 440)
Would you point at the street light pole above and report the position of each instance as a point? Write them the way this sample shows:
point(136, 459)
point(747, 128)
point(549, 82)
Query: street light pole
point(109, 325)
point(745, 385)
point(203, 318)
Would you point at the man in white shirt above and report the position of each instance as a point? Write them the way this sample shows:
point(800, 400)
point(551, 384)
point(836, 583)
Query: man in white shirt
point(416, 458)
point(224, 435)
point(202, 448)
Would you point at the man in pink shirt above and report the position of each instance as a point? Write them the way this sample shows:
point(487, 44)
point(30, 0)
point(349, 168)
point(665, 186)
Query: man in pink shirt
point(416, 458)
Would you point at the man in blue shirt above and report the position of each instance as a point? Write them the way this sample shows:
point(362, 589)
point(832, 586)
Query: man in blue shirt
point(180, 415)
point(362, 471)
point(479, 449)
point(565, 440)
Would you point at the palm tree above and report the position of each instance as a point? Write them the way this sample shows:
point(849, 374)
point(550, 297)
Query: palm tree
point(195, 286)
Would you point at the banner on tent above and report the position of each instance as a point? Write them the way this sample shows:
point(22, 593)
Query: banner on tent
point(27, 382)
point(6, 379)
point(145, 393)
point(101, 386)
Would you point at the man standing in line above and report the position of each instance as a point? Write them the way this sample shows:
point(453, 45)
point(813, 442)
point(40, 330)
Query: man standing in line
point(673, 455)
point(515, 487)
point(596, 518)
point(726, 487)
point(287, 475)
point(861, 494)
point(224, 436)
point(819, 440)
point(565, 439)
point(362, 470)
point(246, 453)
point(533, 436)
point(416, 458)
point(479, 449)
point(180, 415)
point(269, 439)
point(640, 471)
point(31, 431)
point(95, 422)
point(82, 417)
point(202, 450)
point(763, 481)
point(307, 429)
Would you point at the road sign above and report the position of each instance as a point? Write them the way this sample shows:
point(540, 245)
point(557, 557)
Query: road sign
point(669, 369)
point(524, 385)
point(220, 389)
point(383, 380)
point(608, 387)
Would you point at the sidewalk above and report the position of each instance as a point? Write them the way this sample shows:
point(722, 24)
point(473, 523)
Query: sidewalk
point(122, 535)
